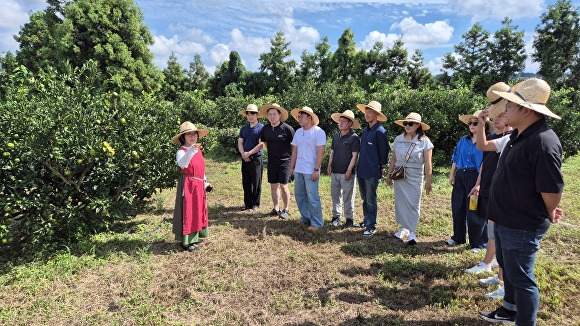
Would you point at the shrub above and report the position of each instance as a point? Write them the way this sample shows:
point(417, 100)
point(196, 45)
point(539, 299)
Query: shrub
point(77, 160)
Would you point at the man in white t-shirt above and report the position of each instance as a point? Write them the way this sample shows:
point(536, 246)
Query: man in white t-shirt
point(307, 153)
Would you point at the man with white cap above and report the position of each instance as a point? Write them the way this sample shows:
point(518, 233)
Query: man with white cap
point(374, 152)
point(250, 147)
point(344, 151)
point(307, 153)
point(525, 192)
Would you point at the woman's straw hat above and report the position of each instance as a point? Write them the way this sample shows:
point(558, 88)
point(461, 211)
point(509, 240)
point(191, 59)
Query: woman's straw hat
point(375, 106)
point(413, 117)
point(346, 114)
point(497, 102)
point(264, 111)
point(250, 108)
point(468, 117)
point(532, 94)
point(308, 111)
point(189, 127)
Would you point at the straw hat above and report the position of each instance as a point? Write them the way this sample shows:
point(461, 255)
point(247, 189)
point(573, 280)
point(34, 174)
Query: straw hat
point(375, 106)
point(413, 117)
point(308, 111)
point(264, 111)
point(346, 114)
point(532, 94)
point(250, 108)
point(189, 127)
point(497, 102)
point(468, 117)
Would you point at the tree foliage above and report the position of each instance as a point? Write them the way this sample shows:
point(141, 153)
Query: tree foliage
point(557, 43)
point(109, 32)
point(276, 63)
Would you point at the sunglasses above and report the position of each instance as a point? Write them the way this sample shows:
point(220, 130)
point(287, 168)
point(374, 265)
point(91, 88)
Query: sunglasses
point(474, 123)
point(410, 124)
point(251, 113)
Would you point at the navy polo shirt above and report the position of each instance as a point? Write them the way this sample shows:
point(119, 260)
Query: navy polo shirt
point(374, 151)
point(529, 165)
point(489, 163)
point(251, 137)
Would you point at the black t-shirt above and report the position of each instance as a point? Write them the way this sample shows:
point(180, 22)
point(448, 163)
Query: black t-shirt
point(278, 142)
point(343, 147)
point(489, 163)
point(529, 165)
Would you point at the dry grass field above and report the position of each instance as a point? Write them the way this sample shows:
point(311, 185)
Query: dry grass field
point(260, 270)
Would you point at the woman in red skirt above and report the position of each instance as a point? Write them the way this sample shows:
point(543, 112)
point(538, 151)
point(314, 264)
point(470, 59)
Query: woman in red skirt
point(190, 216)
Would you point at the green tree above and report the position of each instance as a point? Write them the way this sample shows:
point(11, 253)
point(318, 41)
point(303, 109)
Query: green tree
point(110, 32)
point(175, 79)
point(472, 64)
point(419, 76)
point(276, 64)
point(507, 52)
point(557, 42)
point(197, 75)
point(344, 59)
point(317, 66)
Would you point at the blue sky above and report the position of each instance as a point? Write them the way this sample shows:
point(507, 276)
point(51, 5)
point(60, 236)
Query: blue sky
point(213, 28)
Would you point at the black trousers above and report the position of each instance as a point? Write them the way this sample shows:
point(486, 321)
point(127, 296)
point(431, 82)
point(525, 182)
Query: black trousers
point(252, 181)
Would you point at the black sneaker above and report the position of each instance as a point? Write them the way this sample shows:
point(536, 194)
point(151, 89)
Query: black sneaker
point(348, 224)
point(274, 212)
point(284, 214)
point(500, 315)
point(336, 221)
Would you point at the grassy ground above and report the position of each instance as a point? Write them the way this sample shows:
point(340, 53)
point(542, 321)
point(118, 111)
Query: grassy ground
point(259, 270)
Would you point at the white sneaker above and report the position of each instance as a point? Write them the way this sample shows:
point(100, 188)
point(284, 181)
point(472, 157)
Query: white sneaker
point(479, 268)
point(497, 294)
point(451, 242)
point(492, 280)
point(475, 250)
point(493, 263)
point(402, 233)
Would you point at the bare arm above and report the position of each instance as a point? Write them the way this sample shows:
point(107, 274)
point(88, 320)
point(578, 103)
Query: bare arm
point(482, 143)
point(427, 158)
point(293, 160)
point(475, 189)
point(317, 165)
point(330, 158)
point(552, 200)
point(353, 159)
point(452, 174)
point(391, 168)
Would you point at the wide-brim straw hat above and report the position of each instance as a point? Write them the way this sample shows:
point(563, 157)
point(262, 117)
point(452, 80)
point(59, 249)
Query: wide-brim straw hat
point(497, 102)
point(413, 117)
point(250, 108)
point(188, 127)
point(375, 106)
point(346, 114)
point(532, 94)
point(264, 111)
point(308, 111)
point(468, 117)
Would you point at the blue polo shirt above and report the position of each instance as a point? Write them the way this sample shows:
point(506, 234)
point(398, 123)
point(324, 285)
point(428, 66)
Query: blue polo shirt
point(466, 155)
point(251, 137)
point(374, 152)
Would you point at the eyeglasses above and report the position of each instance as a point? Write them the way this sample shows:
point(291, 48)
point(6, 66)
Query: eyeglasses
point(302, 115)
point(474, 123)
point(251, 113)
point(410, 124)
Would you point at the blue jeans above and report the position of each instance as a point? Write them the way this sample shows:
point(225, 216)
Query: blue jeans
point(308, 199)
point(516, 254)
point(368, 193)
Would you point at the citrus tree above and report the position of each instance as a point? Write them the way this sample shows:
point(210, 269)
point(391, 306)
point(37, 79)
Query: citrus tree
point(76, 159)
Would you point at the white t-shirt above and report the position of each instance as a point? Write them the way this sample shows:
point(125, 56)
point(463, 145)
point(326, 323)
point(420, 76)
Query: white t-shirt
point(306, 142)
point(500, 143)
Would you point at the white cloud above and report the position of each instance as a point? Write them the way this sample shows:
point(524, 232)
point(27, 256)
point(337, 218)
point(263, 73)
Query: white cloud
point(435, 66)
point(373, 37)
point(191, 34)
point(497, 9)
point(299, 38)
point(183, 50)
point(218, 54)
point(414, 35)
point(529, 48)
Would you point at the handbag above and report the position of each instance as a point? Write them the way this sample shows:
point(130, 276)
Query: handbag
point(399, 171)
